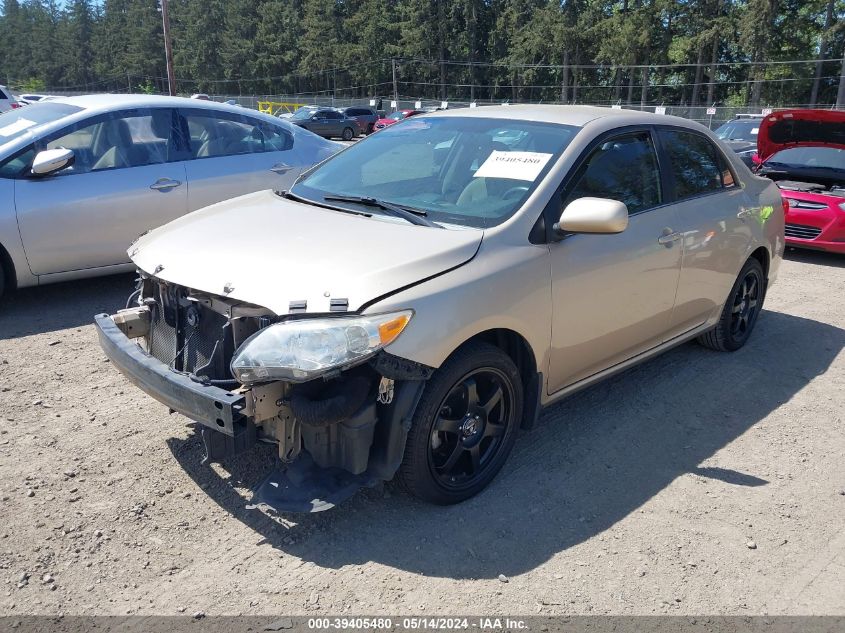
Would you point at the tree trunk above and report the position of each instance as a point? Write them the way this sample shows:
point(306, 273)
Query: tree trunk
point(661, 80)
point(472, 36)
point(699, 71)
point(714, 58)
point(564, 79)
point(630, 85)
point(840, 96)
point(617, 84)
point(644, 89)
point(828, 19)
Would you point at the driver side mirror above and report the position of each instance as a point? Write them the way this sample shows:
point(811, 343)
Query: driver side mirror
point(593, 215)
point(50, 161)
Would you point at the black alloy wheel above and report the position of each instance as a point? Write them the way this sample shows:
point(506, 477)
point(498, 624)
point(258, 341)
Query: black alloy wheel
point(464, 426)
point(744, 311)
point(740, 312)
point(470, 428)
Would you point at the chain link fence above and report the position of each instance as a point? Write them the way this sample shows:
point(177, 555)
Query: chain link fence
point(709, 116)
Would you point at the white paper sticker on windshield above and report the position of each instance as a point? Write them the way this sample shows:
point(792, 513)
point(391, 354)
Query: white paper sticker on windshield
point(515, 165)
point(17, 126)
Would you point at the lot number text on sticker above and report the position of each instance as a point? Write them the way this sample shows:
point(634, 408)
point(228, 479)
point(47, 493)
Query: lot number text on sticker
point(514, 165)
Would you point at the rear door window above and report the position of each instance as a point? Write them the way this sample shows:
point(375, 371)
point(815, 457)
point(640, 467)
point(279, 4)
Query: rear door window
point(214, 134)
point(696, 165)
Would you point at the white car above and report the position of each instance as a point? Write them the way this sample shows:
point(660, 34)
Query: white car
point(82, 177)
point(30, 98)
point(7, 101)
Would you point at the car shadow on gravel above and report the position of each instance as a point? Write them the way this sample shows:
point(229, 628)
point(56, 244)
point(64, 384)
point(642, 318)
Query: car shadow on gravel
point(819, 258)
point(59, 306)
point(591, 461)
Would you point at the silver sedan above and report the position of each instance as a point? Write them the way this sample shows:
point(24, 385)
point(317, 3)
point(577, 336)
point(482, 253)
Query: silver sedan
point(82, 177)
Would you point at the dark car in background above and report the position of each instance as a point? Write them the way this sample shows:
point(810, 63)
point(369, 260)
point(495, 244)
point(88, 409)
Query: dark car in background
point(326, 122)
point(741, 136)
point(365, 117)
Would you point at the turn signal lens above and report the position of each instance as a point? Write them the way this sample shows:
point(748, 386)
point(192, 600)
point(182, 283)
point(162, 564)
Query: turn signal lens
point(388, 331)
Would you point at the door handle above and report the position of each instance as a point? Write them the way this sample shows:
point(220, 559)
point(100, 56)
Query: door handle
point(281, 168)
point(744, 213)
point(165, 184)
point(668, 237)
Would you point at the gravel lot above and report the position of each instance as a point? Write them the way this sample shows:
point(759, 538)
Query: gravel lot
point(696, 483)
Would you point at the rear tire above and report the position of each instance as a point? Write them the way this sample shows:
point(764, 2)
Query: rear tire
point(741, 310)
point(348, 134)
point(464, 426)
point(370, 128)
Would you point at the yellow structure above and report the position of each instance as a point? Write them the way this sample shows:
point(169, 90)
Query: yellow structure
point(275, 107)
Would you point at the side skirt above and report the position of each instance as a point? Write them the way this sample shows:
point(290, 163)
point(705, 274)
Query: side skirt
point(620, 367)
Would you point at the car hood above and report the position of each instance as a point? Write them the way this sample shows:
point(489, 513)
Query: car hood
point(273, 252)
point(800, 128)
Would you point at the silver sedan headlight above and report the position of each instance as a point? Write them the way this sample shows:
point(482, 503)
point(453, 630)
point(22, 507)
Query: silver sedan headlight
point(303, 349)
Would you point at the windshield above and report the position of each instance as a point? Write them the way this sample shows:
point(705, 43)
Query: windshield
point(458, 170)
point(810, 158)
point(17, 123)
point(739, 130)
point(397, 116)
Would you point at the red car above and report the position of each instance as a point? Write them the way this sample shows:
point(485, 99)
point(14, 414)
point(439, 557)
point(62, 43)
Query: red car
point(803, 151)
point(397, 116)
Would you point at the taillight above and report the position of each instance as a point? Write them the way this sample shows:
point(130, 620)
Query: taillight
point(785, 202)
point(15, 105)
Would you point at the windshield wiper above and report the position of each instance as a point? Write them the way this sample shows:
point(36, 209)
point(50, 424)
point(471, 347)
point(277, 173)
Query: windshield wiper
point(412, 215)
point(293, 196)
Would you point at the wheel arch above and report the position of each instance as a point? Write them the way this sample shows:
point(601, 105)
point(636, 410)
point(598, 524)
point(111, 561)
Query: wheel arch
point(8, 269)
point(761, 254)
point(520, 352)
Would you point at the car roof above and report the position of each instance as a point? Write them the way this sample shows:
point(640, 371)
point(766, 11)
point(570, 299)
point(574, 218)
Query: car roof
point(101, 103)
point(107, 102)
point(575, 115)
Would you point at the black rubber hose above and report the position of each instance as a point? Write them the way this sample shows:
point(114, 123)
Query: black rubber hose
point(321, 403)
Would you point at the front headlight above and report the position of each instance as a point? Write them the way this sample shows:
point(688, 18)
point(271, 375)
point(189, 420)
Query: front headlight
point(306, 348)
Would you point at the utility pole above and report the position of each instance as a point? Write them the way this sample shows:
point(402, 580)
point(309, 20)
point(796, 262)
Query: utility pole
point(840, 96)
point(168, 49)
point(395, 84)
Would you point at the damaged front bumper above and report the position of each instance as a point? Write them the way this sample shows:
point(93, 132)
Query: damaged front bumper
point(333, 460)
point(209, 405)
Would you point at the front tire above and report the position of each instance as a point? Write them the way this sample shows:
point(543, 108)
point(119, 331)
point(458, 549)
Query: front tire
point(464, 426)
point(348, 133)
point(740, 312)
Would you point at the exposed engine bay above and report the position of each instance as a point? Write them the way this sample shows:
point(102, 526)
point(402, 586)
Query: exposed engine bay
point(336, 433)
point(812, 187)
